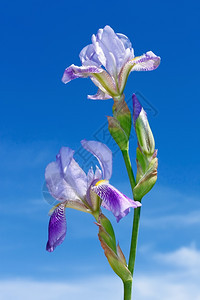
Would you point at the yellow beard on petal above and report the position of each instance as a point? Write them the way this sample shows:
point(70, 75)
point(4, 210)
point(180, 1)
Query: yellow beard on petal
point(101, 181)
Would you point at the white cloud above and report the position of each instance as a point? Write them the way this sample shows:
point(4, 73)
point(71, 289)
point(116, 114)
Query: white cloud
point(181, 282)
point(154, 287)
point(102, 288)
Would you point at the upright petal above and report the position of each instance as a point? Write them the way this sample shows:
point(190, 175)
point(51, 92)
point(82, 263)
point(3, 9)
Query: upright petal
point(72, 172)
point(103, 155)
point(91, 176)
point(89, 57)
point(74, 72)
point(56, 184)
point(112, 49)
point(114, 200)
point(64, 177)
point(57, 228)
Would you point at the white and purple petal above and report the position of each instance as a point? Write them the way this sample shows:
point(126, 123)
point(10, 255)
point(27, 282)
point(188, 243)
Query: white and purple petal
point(57, 228)
point(74, 72)
point(100, 95)
point(146, 62)
point(114, 200)
point(103, 155)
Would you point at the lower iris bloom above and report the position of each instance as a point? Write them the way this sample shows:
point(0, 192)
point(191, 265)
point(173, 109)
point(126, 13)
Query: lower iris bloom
point(72, 187)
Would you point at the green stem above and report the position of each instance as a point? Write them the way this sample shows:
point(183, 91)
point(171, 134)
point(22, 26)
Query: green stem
point(134, 238)
point(127, 290)
point(136, 219)
point(129, 168)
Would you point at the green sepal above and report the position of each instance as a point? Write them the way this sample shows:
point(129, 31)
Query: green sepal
point(120, 124)
point(121, 255)
point(108, 227)
point(118, 133)
point(147, 181)
point(122, 114)
point(112, 252)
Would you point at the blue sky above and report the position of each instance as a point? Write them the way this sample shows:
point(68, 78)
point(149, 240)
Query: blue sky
point(39, 114)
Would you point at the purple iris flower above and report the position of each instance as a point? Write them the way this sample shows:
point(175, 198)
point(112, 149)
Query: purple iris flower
point(114, 52)
point(73, 188)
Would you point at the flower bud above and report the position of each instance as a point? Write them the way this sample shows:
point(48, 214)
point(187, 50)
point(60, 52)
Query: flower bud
point(142, 128)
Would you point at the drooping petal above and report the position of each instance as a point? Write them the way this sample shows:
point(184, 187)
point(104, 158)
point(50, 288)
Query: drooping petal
point(146, 62)
point(74, 72)
point(57, 228)
point(78, 205)
point(105, 83)
point(100, 95)
point(103, 155)
point(114, 200)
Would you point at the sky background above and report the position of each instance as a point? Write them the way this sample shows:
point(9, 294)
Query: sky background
point(39, 114)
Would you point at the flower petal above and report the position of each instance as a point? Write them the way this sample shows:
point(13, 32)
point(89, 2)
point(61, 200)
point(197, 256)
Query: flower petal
point(105, 83)
point(103, 155)
point(114, 200)
point(74, 72)
point(57, 185)
point(91, 176)
point(64, 177)
point(100, 95)
point(73, 174)
point(111, 49)
point(57, 228)
point(146, 62)
point(89, 57)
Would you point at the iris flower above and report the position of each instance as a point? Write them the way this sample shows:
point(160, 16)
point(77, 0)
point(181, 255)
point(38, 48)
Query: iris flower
point(108, 62)
point(69, 184)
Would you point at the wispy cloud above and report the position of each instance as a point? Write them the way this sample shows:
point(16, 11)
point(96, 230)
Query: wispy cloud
point(184, 219)
point(184, 257)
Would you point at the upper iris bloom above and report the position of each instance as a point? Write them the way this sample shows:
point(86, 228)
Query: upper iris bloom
point(114, 52)
point(69, 184)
